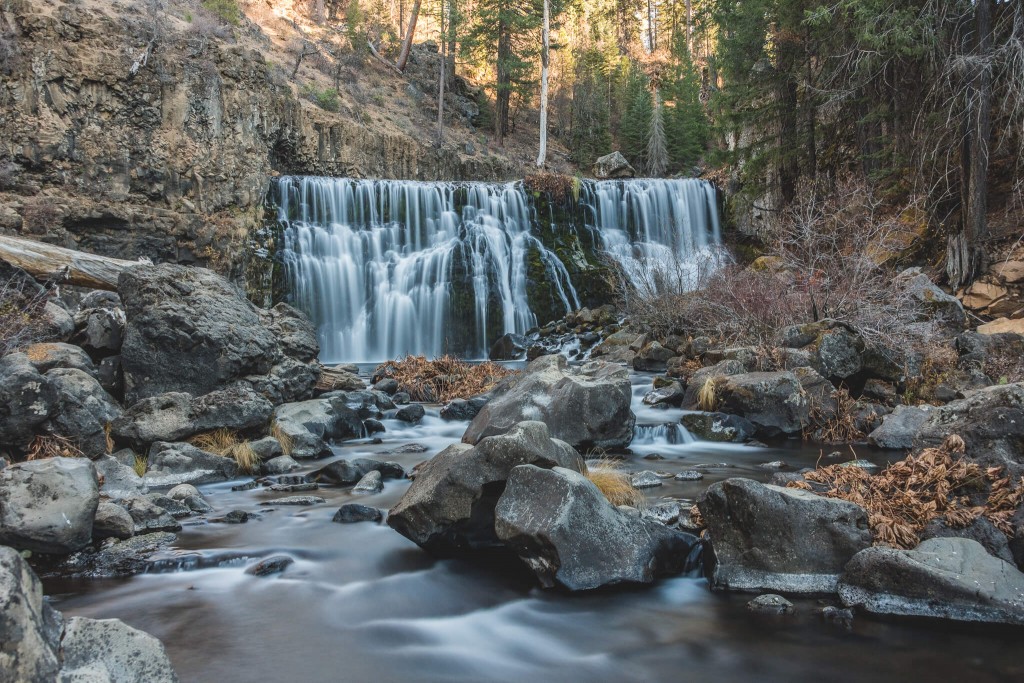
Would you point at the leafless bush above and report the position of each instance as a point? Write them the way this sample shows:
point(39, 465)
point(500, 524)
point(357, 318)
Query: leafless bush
point(39, 215)
point(21, 305)
point(828, 259)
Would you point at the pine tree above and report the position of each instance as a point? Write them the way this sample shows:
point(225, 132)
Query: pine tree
point(657, 152)
point(686, 123)
point(634, 129)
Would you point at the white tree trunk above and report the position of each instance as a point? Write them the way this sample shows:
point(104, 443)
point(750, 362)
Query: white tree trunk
point(47, 262)
point(442, 43)
point(544, 61)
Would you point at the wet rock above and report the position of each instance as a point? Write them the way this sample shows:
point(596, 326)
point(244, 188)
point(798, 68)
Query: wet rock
point(947, 578)
point(588, 407)
point(269, 566)
point(770, 603)
point(407, 448)
point(282, 464)
point(714, 372)
point(353, 513)
point(900, 427)
point(653, 358)
point(645, 480)
point(189, 330)
point(294, 488)
point(671, 394)
point(450, 506)
point(295, 500)
point(689, 475)
point(568, 533)
point(718, 427)
point(463, 409)
point(235, 517)
point(373, 426)
point(170, 464)
point(765, 537)
point(177, 416)
point(411, 413)
point(82, 410)
point(198, 505)
point(26, 400)
point(370, 483)
point(48, 506)
point(981, 530)
point(183, 491)
point(266, 449)
point(110, 650)
point(29, 628)
point(112, 521)
point(348, 472)
point(774, 402)
point(509, 346)
point(842, 618)
point(401, 398)
point(311, 425)
point(176, 508)
point(119, 480)
point(46, 357)
point(773, 465)
point(149, 517)
point(663, 513)
point(388, 385)
point(839, 354)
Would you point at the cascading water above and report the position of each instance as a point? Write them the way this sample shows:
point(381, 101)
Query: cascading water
point(390, 267)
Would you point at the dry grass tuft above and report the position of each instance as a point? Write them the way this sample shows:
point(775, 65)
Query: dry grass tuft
point(52, 446)
point(442, 379)
point(140, 465)
point(109, 439)
point(936, 483)
point(707, 397)
point(228, 444)
point(282, 438)
point(608, 476)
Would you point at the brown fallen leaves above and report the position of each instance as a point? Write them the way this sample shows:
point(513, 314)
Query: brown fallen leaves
point(52, 446)
point(935, 483)
point(442, 379)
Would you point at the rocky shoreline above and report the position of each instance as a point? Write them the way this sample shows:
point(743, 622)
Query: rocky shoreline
point(134, 398)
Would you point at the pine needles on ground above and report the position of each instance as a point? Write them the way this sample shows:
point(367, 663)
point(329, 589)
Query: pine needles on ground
point(52, 446)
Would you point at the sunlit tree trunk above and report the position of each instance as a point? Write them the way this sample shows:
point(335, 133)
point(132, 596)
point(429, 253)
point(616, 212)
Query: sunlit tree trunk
point(545, 63)
point(403, 57)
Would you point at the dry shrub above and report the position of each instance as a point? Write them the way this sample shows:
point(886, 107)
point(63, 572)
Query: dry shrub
point(282, 438)
point(607, 475)
point(39, 215)
point(935, 483)
point(558, 186)
point(227, 443)
point(52, 446)
point(707, 396)
point(21, 306)
point(837, 427)
point(442, 379)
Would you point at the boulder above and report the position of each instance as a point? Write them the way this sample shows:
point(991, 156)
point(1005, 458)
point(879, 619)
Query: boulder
point(981, 530)
point(149, 517)
point(765, 537)
point(83, 410)
point(697, 381)
point(587, 407)
point(937, 303)
point(900, 427)
point(774, 402)
point(349, 472)
point(311, 425)
point(388, 385)
point(718, 427)
point(463, 409)
point(839, 354)
point(175, 416)
point(449, 508)
point(510, 346)
point(566, 531)
point(48, 506)
point(100, 330)
point(653, 358)
point(821, 394)
point(29, 628)
point(26, 400)
point(170, 464)
point(946, 578)
point(671, 394)
point(46, 357)
point(411, 413)
point(353, 513)
point(266, 449)
point(103, 650)
point(119, 480)
point(295, 333)
point(613, 165)
point(371, 482)
point(289, 380)
point(112, 521)
point(282, 464)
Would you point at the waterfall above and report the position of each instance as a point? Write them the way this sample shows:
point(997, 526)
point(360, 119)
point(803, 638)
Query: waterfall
point(387, 268)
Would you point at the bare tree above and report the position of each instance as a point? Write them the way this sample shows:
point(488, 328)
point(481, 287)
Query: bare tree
point(545, 64)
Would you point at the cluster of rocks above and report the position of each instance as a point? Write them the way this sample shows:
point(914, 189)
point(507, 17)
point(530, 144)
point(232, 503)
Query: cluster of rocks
point(517, 484)
point(761, 537)
point(573, 336)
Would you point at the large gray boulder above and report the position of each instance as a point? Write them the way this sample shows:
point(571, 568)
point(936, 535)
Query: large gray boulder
point(111, 651)
point(29, 627)
point(119, 479)
point(312, 425)
point(613, 165)
point(26, 400)
point(723, 368)
point(566, 531)
point(839, 354)
point(588, 407)
point(900, 427)
point(170, 464)
point(768, 538)
point(774, 402)
point(48, 506)
point(176, 415)
point(190, 330)
point(83, 410)
point(450, 506)
point(947, 578)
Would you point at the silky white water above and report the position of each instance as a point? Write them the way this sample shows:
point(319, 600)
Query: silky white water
point(387, 268)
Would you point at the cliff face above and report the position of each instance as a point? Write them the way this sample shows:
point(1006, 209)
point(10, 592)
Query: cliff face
point(133, 133)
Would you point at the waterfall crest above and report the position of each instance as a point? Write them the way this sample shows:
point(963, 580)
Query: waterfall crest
point(387, 268)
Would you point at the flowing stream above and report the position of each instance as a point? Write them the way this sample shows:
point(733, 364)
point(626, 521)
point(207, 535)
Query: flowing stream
point(362, 603)
point(391, 267)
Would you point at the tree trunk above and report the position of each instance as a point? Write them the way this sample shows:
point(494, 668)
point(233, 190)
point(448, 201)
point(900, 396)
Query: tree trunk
point(403, 57)
point(504, 83)
point(442, 44)
point(651, 44)
point(966, 249)
point(545, 62)
point(689, 27)
point(789, 169)
point(78, 268)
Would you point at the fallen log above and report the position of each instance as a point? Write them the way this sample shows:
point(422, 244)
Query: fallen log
point(48, 262)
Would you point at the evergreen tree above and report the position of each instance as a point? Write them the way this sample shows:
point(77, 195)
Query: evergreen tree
point(657, 151)
point(686, 122)
point(634, 128)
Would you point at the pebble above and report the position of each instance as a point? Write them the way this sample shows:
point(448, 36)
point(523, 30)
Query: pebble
point(838, 616)
point(645, 480)
point(272, 565)
point(666, 513)
point(770, 604)
point(353, 513)
point(773, 465)
point(689, 475)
